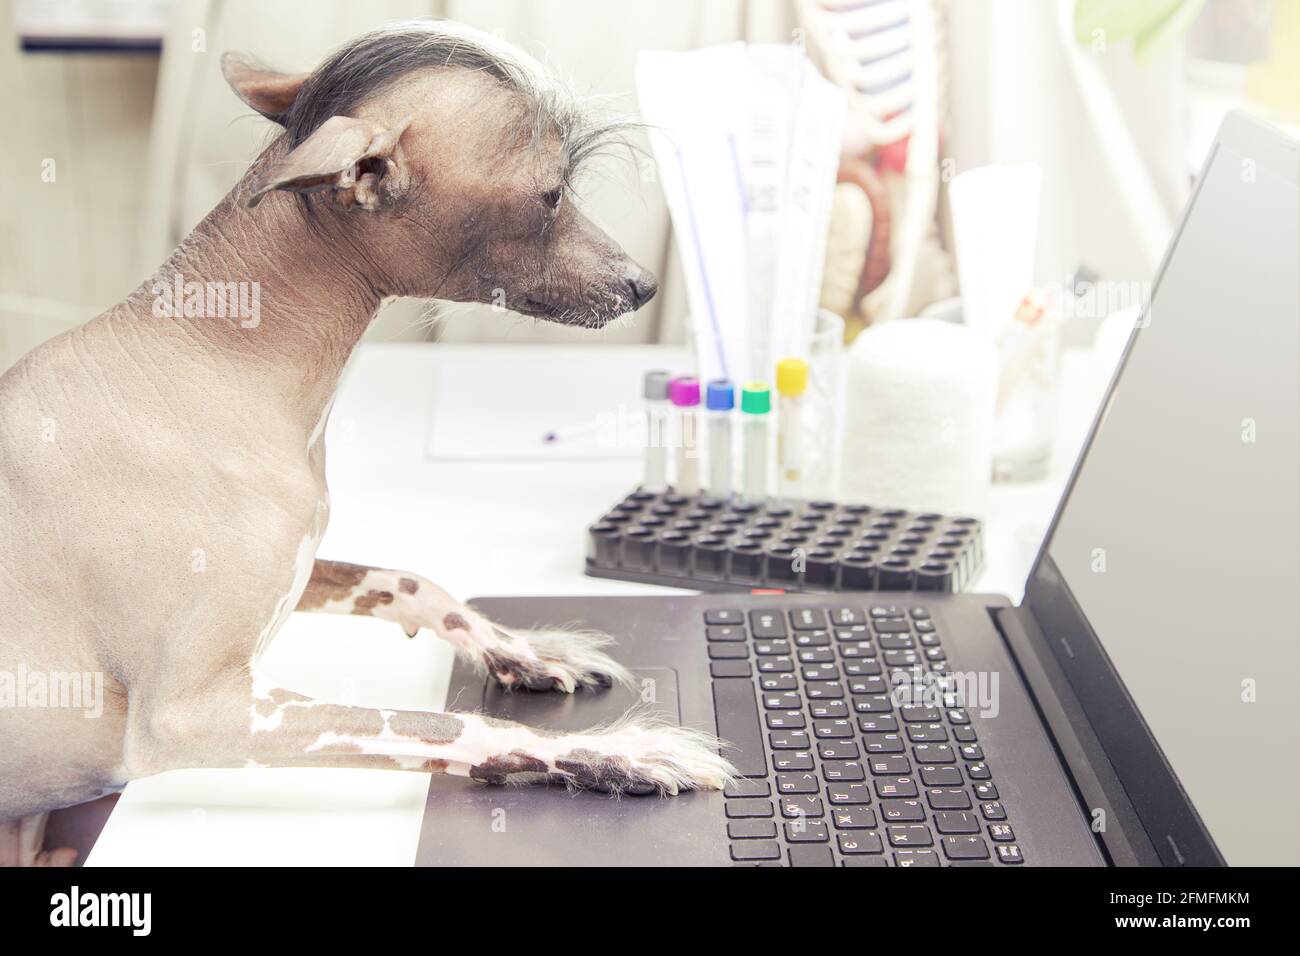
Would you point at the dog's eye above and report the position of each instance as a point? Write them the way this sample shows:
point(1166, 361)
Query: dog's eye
point(553, 198)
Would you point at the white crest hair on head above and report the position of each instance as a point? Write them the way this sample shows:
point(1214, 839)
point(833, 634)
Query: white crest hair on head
point(367, 65)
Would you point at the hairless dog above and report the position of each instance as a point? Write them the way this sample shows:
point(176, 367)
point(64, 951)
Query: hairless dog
point(182, 428)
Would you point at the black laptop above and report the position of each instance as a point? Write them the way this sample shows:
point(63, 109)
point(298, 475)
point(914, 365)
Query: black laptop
point(1135, 708)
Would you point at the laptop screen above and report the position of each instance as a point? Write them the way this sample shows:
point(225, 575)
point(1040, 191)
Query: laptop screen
point(1180, 538)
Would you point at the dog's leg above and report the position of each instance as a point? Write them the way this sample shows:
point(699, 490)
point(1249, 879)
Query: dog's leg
point(540, 659)
point(241, 726)
point(21, 844)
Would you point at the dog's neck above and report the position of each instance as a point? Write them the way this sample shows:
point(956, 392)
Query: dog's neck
point(316, 294)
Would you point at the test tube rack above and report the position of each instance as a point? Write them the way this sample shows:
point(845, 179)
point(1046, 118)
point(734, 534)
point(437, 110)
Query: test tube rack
point(710, 544)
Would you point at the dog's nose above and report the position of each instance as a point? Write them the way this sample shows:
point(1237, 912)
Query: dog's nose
point(642, 286)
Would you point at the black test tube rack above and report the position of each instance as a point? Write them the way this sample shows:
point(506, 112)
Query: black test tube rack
point(711, 544)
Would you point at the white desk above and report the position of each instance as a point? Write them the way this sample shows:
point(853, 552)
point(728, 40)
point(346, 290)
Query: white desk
point(476, 529)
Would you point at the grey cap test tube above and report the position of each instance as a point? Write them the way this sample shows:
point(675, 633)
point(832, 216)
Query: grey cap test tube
point(655, 393)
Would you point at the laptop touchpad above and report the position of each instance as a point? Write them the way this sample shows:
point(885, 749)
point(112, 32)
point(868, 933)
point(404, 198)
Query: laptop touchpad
point(654, 693)
point(468, 823)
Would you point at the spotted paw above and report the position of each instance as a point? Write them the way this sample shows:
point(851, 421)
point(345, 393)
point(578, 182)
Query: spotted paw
point(642, 758)
point(553, 659)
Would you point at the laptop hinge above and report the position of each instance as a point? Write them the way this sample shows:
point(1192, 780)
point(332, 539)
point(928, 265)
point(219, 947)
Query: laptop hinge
point(1115, 822)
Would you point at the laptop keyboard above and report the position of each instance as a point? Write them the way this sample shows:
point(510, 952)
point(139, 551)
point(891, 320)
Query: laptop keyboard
point(837, 771)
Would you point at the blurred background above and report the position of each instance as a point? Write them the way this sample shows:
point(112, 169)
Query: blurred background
point(121, 134)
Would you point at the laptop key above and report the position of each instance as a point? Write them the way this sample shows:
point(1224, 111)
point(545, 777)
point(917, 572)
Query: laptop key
point(812, 639)
point(902, 811)
point(933, 753)
point(1009, 853)
point(753, 807)
point(878, 724)
point(883, 743)
point(916, 858)
point(965, 848)
point(752, 829)
point(890, 626)
point(724, 616)
point(801, 805)
point(918, 713)
point(965, 735)
point(844, 616)
point(872, 704)
point(821, 672)
point(842, 770)
point(808, 619)
point(811, 856)
point(956, 821)
point(941, 776)
point(853, 818)
point(747, 788)
point(945, 798)
point(909, 835)
point(796, 783)
point(789, 740)
point(832, 729)
point(848, 794)
point(926, 733)
point(895, 642)
point(828, 709)
point(775, 665)
point(978, 771)
point(815, 655)
point(772, 648)
point(972, 752)
point(726, 633)
point(824, 689)
point(785, 701)
point(791, 760)
point(873, 684)
point(736, 711)
point(728, 652)
point(838, 750)
point(767, 624)
point(783, 720)
point(776, 681)
point(1001, 833)
point(895, 787)
point(868, 667)
point(806, 831)
point(993, 810)
point(754, 850)
point(985, 790)
point(730, 669)
point(854, 843)
point(890, 765)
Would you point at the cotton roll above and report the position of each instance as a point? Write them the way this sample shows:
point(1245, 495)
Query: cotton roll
point(919, 398)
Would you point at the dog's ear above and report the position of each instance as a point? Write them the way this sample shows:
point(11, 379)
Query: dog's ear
point(357, 159)
point(268, 91)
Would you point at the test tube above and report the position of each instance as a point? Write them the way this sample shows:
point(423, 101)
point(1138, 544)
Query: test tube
point(685, 395)
point(655, 392)
point(755, 403)
point(720, 399)
point(791, 383)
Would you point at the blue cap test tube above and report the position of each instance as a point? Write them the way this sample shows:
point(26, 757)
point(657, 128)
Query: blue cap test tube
point(720, 400)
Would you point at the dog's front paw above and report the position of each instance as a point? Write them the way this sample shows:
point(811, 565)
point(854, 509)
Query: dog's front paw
point(553, 659)
point(643, 758)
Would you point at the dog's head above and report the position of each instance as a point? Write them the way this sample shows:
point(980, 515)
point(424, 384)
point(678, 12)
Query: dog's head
point(444, 158)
